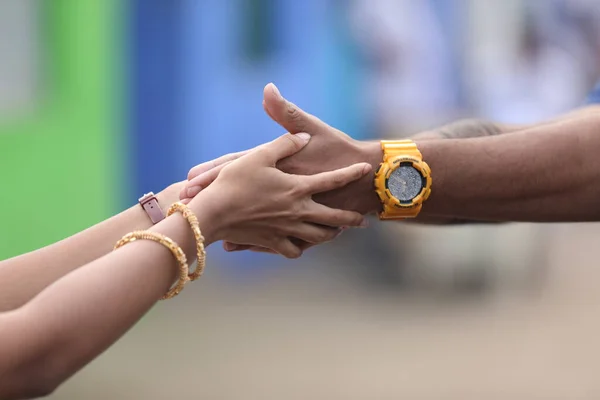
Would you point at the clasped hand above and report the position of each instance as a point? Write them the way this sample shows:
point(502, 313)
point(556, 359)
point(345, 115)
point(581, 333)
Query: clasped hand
point(288, 195)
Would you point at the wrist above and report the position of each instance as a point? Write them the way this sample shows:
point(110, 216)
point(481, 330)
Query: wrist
point(211, 217)
point(371, 153)
point(170, 195)
point(204, 206)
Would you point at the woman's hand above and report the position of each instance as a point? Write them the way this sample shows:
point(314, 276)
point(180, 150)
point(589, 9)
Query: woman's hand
point(256, 204)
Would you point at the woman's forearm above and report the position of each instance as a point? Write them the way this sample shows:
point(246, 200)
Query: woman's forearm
point(77, 317)
point(36, 270)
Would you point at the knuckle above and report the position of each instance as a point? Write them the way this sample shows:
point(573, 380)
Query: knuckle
point(355, 219)
point(228, 172)
point(358, 172)
point(297, 211)
point(280, 231)
point(295, 116)
point(300, 188)
point(294, 253)
point(264, 153)
point(339, 179)
point(324, 236)
point(295, 142)
point(232, 156)
point(337, 218)
point(192, 173)
point(303, 213)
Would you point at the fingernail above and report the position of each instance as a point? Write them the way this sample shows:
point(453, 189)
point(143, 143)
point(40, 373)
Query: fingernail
point(194, 190)
point(276, 91)
point(229, 246)
point(364, 223)
point(186, 201)
point(304, 136)
point(366, 169)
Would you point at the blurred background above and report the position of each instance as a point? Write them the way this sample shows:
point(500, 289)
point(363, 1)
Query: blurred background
point(104, 100)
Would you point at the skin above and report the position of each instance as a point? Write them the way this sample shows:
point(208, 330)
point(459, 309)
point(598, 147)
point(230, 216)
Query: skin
point(65, 304)
point(65, 256)
point(514, 167)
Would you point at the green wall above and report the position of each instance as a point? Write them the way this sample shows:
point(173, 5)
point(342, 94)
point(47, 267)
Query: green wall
point(58, 166)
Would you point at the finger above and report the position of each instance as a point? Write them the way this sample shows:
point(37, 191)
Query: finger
point(258, 249)
point(267, 111)
point(326, 181)
point(282, 147)
point(314, 234)
point(231, 247)
point(288, 115)
point(183, 193)
point(286, 248)
point(195, 186)
point(207, 166)
point(283, 246)
point(228, 246)
point(323, 215)
point(301, 244)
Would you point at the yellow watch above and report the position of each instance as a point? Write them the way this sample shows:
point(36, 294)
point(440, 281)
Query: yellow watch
point(403, 180)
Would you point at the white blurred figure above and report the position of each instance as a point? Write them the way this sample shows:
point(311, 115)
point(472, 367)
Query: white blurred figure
point(410, 78)
point(537, 74)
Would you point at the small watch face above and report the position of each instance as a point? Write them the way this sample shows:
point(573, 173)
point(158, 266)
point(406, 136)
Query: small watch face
point(405, 182)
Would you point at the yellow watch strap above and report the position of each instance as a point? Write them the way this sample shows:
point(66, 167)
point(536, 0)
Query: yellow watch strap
point(398, 213)
point(393, 148)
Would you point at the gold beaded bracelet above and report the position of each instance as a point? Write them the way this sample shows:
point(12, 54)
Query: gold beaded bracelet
point(172, 246)
point(195, 225)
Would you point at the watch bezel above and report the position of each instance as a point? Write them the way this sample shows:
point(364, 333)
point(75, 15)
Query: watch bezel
point(388, 167)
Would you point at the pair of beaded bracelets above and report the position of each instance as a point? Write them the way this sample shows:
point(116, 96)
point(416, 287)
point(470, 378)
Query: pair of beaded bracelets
point(184, 273)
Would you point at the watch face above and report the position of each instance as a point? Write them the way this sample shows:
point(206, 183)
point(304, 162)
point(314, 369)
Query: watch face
point(405, 182)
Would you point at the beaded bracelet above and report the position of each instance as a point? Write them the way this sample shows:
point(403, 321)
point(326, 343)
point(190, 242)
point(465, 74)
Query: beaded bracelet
point(172, 246)
point(195, 225)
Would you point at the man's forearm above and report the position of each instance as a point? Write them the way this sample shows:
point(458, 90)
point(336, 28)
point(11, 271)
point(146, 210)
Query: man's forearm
point(445, 153)
point(544, 173)
point(462, 129)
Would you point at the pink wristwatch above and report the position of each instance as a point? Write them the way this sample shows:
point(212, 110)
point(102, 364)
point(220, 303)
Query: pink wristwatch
point(149, 203)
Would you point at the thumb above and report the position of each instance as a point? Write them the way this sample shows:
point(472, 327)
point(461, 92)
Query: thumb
point(287, 114)
point(282, 147)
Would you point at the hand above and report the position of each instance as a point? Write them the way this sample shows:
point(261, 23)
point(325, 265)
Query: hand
point(204, 174)
point(256, 204)
point(328, 150)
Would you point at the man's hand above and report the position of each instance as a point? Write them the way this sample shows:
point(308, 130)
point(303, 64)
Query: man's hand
point(328, 150)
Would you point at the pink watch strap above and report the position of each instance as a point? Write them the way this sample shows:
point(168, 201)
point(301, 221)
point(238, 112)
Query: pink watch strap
point(150, 204)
